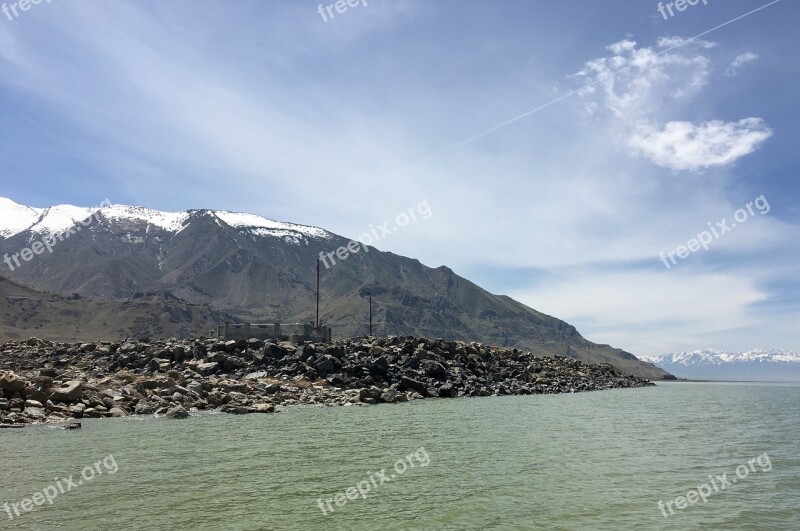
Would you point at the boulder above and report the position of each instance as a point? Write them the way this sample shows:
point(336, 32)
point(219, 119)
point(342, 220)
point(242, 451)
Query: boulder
point(144, 408)
point(207, 369)
point(177, 412)
point(196, 388)
point(11, 382)
point(413, 385)
point(448, 391)
point(389, 396)
point(68, 392)
point(372, 393)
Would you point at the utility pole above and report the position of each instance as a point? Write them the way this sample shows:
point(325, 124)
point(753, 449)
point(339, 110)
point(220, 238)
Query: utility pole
point(317, 292)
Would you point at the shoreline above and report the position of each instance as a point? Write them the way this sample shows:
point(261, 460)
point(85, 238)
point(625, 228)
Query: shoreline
point(48, 383)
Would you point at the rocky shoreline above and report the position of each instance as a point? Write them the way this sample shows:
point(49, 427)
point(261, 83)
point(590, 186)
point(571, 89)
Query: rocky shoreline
point(46, 382)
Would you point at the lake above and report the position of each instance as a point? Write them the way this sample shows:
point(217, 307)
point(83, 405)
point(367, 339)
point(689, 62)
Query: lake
point(597, 460)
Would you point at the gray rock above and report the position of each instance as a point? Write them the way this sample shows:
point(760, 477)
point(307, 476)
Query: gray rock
point(68, 392)
point(207, 369)
point(389, 396)
point(35, 413)
point(144, 408)
point(196, 388)
point(373, 393)
point(11, 382)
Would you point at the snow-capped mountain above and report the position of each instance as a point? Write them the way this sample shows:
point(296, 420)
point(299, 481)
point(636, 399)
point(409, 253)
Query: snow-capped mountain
point(16, 219)
point(757, 364)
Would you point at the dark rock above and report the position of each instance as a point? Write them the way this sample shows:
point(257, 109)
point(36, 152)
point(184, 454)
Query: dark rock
point(177, 412)
point(413, 385)
point(207, 369)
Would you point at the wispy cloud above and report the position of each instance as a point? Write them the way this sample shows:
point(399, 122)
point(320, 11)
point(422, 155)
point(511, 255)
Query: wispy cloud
point(737, 63)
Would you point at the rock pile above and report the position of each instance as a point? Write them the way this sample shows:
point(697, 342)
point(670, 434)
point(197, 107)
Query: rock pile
point(42, 381)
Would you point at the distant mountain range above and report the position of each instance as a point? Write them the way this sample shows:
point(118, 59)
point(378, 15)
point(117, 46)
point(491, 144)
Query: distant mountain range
point(710, 364)
point(239, 266)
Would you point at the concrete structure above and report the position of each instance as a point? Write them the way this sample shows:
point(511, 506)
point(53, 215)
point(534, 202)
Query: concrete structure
point(296, 333)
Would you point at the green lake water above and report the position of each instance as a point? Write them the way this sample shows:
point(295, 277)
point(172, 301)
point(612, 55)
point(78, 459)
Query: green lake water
point(600, 460)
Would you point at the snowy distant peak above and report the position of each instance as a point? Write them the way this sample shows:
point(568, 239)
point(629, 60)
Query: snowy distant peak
point(717, 357)
point(16, 218)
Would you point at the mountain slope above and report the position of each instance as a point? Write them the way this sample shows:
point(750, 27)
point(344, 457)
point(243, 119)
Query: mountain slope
point(264, 270)
point(25, 312)
point(758, 365)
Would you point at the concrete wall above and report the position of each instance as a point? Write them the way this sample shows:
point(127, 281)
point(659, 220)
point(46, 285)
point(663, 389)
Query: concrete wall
point(295, 332)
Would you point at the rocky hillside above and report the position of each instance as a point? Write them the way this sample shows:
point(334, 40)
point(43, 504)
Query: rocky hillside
point(25, 312)
point(48, 382)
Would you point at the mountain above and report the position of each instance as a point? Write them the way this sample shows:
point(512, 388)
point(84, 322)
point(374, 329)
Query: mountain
point(261, 270)
point(710, 364)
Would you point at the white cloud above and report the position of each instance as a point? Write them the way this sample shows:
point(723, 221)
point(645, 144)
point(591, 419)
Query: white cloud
point(688, 146)
point(634, 82)
point(737, 63)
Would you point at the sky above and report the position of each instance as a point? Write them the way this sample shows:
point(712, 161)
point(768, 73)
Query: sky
point(623, 165)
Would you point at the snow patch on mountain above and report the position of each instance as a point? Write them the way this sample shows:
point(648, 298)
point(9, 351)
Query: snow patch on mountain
point(16, 218)
point(169, 221)
point(261, 226)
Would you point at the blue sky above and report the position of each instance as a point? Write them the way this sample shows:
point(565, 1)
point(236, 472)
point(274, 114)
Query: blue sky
point(641, 138)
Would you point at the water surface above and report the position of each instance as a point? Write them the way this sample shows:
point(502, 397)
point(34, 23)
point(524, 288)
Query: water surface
point(596, 460)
